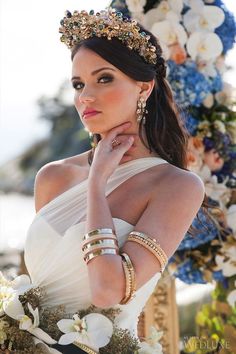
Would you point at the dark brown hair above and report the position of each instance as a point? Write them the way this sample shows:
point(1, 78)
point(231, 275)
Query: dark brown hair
point(164, 128)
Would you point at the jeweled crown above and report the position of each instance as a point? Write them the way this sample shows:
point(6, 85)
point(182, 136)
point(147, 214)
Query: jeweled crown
point(109, 24)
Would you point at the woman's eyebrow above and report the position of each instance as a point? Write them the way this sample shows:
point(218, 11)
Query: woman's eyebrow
point(93, 72)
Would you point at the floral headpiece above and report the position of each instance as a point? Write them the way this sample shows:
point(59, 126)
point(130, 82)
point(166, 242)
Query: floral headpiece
point(109, 24)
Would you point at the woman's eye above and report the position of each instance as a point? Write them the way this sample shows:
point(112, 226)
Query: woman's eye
point(105, 79)
point(77, 85)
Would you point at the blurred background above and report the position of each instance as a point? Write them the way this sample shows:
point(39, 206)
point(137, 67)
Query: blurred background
point(38, 122)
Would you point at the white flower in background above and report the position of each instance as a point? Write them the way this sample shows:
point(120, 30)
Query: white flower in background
point(169, 33)
point(226, 95)
point(231, 217)
point(135, 5)
point(227, 263)
point(231, 298)
point(16, 311)
point(165, 10)
point(207, 68)
point(152, 344)
point(11, 289)
point(6, 296)
point(93, 330)
point(136, 8)
point(203, 18)
point(213, 189)
point(208, 101)
point(219, 126)
point(204, 46)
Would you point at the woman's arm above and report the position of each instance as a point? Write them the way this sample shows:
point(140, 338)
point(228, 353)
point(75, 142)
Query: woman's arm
point(167, 218)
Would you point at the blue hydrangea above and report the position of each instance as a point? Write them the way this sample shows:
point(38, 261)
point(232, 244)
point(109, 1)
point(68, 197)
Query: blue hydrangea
point(191, 123)
point(188, 273)
point(203, 233)
point(190, 87)
point(227, 31)
point(216, 83)
point(218, 276)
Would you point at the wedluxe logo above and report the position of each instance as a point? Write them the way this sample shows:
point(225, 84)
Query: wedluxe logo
point(192, 344)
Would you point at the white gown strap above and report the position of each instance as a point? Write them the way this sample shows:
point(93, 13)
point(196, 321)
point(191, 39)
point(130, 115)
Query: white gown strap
point(70, 207)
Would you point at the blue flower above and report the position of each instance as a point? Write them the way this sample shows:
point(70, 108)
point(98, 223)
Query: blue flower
point(188, 273)
point(191, 123)
point(218, 276)
point(216, 82)
point(190, 87)
point(206, 231)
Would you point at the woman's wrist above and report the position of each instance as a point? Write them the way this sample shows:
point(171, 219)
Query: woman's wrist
point(97, 184)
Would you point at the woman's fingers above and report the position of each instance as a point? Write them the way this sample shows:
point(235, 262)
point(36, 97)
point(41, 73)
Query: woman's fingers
point(117, 130)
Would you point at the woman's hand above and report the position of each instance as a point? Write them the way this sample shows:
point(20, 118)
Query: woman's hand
point(108, 154)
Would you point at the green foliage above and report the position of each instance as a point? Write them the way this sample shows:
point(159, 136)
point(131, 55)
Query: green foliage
point(216, 323)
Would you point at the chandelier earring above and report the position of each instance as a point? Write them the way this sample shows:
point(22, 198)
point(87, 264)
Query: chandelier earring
point(141, 111)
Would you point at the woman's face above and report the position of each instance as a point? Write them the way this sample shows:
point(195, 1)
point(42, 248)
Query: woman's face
point(104, 96)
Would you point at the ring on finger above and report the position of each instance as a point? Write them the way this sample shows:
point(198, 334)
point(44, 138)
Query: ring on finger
point(115, 142)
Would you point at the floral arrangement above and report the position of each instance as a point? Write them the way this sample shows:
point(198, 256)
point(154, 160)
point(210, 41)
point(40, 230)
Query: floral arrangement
point(195, 36)
point(26, 327)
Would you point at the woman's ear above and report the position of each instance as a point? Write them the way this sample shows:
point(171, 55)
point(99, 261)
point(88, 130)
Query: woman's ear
point(146, 88)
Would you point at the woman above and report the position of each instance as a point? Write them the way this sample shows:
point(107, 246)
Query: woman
point(133, 180)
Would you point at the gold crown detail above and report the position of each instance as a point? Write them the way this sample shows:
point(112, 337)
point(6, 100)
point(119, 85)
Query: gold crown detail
point(109, 24)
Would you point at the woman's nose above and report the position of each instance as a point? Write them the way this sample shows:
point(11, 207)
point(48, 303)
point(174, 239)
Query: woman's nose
point(86, 96)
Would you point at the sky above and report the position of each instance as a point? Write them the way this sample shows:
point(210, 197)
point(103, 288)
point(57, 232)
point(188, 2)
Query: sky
point(34, 63)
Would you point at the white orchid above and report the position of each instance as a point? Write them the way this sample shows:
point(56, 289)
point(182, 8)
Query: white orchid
point(152, 344)
point(135, 5)
point(170, 10)
point(169, 33)
point(16, 311)
point(204, 46)
point(207, 67)
point(93, 330)
point(226, 95)
point(11, 289)
point(203, 18)
point(136, 8)
point(227, 263)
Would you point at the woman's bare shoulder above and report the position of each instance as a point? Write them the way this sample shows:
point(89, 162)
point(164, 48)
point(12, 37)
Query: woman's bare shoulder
point(56, 177)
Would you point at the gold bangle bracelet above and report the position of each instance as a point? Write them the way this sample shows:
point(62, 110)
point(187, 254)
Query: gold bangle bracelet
point(98, 238)
point(97, 248)
point(131, 270)
point(99, 243)
point(152, 240)
point(130, 279)
point(100, 252)
point(127, 297)
point(153, 248)
point(99, 232)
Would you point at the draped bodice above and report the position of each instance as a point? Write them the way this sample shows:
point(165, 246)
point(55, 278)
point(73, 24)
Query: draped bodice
point(53, 253)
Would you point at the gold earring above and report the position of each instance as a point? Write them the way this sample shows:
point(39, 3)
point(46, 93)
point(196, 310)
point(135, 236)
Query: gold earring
point(141, 111)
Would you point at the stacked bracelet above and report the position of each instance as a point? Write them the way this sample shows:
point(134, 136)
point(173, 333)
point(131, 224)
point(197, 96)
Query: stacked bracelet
point(99, 242)
point(150, 244)
point(130, 279)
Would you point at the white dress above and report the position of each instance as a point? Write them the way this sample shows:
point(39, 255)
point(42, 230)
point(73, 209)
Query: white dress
point(53, 254)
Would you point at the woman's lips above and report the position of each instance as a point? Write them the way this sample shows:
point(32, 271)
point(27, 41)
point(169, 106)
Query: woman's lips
point(90, 114)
